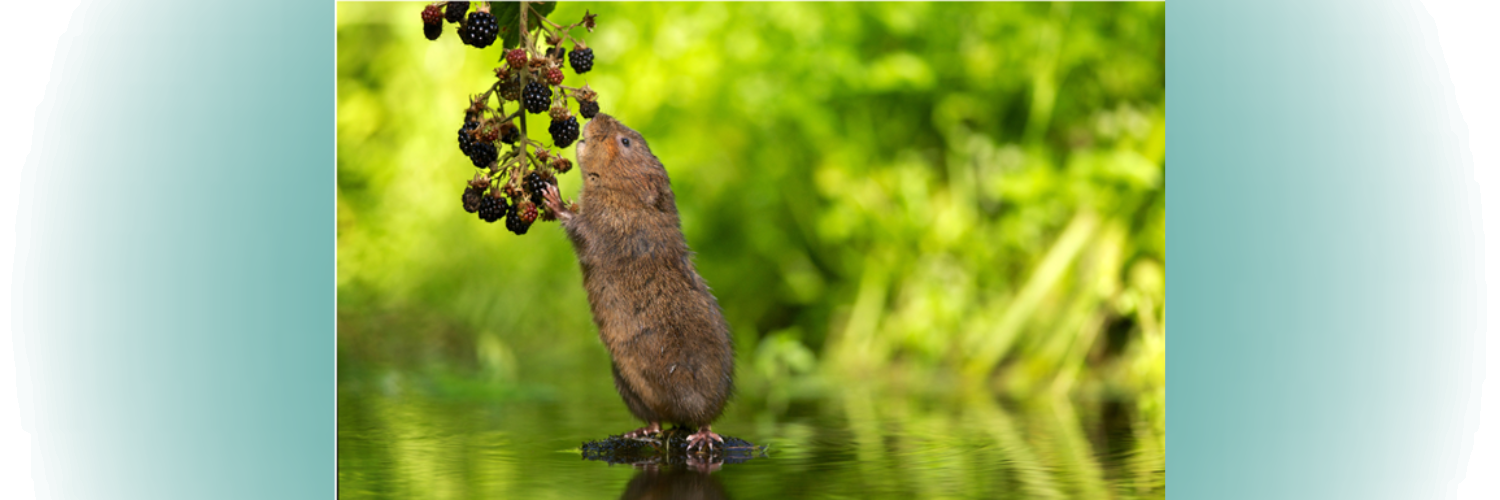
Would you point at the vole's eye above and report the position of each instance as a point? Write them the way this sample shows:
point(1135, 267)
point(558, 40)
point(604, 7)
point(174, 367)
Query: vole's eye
point(625, 141)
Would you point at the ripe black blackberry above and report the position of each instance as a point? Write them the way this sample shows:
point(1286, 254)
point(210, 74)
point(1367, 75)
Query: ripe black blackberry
point(536, 184)
point(564, 132)
point(454, 11)
point(536, 96)
point(472, 199)
point(483, 154)
point(582, 59)
point(465, 141)
point(432, 31)
point(588, 109)
point(516, 221)
point(482, 28)
point(509, 133)
point(492, 208)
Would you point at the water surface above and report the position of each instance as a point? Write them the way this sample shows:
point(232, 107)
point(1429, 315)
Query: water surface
point(403, 439)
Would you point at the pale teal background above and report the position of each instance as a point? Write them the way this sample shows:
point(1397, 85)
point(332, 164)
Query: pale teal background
point(1326, 277)
point(176, 254)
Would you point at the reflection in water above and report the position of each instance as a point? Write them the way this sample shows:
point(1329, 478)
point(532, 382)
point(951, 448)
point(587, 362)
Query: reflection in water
point(675, 483)
point(402, 439)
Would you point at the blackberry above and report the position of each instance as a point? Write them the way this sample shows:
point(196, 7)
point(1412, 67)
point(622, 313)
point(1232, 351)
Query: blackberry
point(582, 59)
point(463, 34)
point(432, 31)
point(472, 199)
point(536, 184)
point(432, 15)
point(482, 29)
point(588, 109)
point(515, 221)
point(553, 75)
point(483, 154)
point(516, 58)
point(509, 133)
point(536, 96)
point(564, 132)
point(454, 11)
point(492, 208)
point(511, 89)
point(466, 141)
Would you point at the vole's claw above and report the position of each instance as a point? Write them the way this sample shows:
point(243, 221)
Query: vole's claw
point(654, 428)
point(703, 440)
point(553, 200)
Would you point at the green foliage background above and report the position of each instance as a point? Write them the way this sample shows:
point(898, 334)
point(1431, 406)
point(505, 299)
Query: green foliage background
point(941, 196)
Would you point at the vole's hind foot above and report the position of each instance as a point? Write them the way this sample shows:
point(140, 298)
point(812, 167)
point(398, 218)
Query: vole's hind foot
point(554, 203)
point(644, 432)
point(703, 440)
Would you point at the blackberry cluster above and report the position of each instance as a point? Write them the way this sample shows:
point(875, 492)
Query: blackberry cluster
point(515, 188)
point(492, 208)
point(564, 132)
point(482, 29)
point(536, 96)
point(536, 184)
point(455, 11)
point(581, 59)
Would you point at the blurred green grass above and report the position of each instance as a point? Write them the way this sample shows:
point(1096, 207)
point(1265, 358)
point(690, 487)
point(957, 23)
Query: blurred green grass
point(930, 195)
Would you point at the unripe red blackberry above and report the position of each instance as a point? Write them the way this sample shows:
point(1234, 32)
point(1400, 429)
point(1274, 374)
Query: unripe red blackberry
point(564, 132)
point(528, 212)
point(492, 208)
point(432, 15)
point(432, 31)
point(455, 11)
point(516, 58)
point(488, 131)
point(471, 199)
point(588, 108)
point(536, 184)
point(483, 154)
point(554, 75)
point(482, 29)
point(536, 96)
point(582, 59)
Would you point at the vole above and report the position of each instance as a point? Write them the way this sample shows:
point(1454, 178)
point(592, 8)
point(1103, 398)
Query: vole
point(671, 349)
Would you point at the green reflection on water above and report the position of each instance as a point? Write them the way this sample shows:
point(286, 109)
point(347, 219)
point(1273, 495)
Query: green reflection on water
point(398, 438)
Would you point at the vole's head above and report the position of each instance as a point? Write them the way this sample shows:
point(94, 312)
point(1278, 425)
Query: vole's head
point(613, 156)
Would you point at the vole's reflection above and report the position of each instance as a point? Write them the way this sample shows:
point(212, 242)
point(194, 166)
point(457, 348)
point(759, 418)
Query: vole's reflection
point(675, 482)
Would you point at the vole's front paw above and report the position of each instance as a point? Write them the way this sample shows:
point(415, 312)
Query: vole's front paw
point(554, 203)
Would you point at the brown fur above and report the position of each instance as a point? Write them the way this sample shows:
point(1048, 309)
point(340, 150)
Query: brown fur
point(672, 354)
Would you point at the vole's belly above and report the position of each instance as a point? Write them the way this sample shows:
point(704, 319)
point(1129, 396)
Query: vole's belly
point(669, 345)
